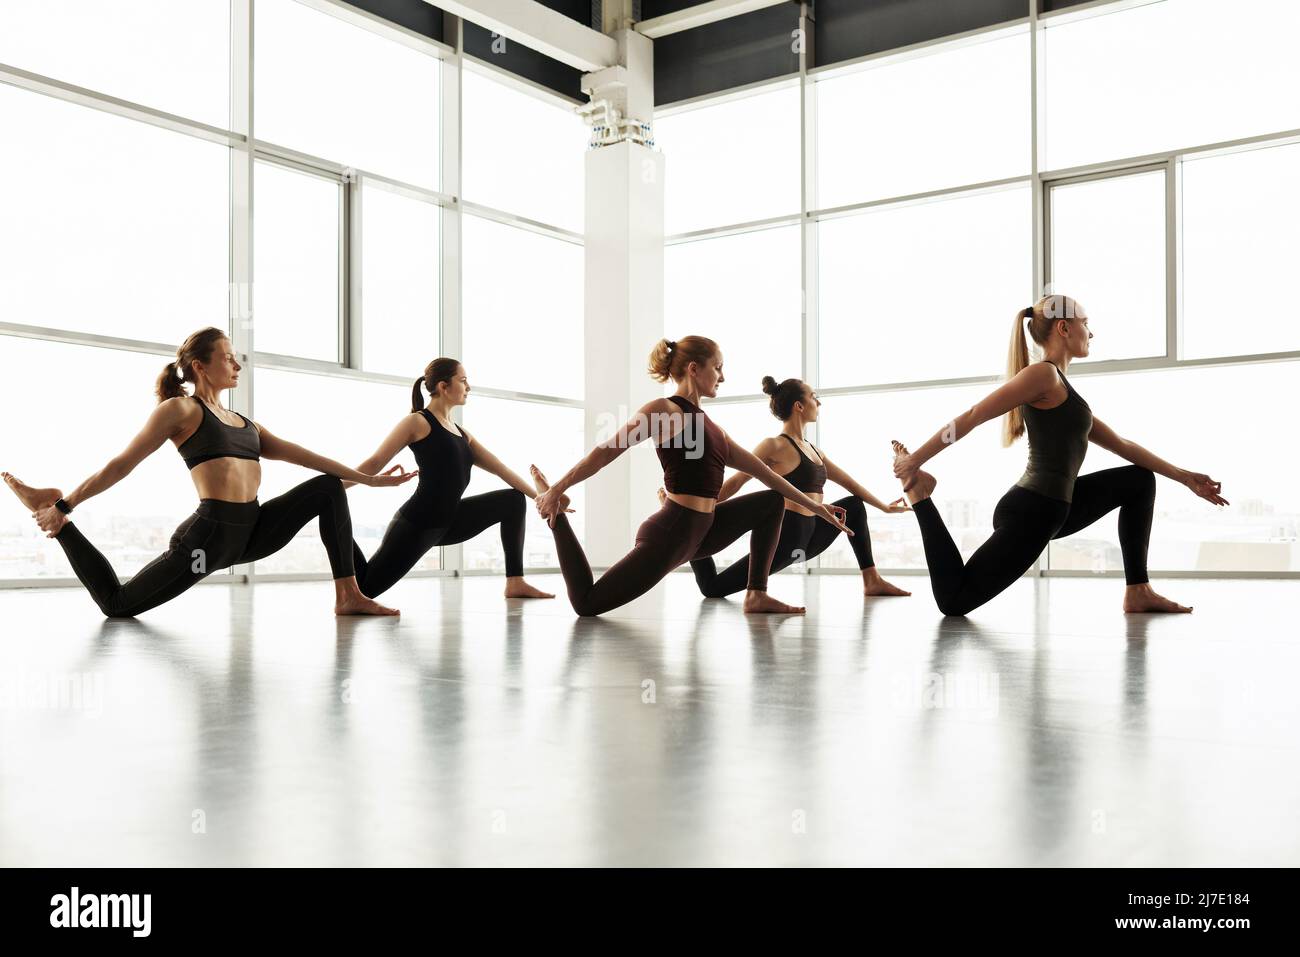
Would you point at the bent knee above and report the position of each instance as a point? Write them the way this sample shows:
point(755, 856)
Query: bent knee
point(1144, 480)
point(854, 507)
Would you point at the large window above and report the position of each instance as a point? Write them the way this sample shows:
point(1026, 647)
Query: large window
point(400, 282)
point(1240, 248)
point(731, 162)
point(1108, 252)
point(337, 91)
point(297, 250)
point(111, 227)
point(523, 325)
point(522, 154)
point(958, 115)
point(1168, 75)
point(170, 56)
point(923, 291)
point(742, 291)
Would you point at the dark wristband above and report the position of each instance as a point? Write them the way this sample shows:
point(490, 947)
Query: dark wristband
point(63, 507)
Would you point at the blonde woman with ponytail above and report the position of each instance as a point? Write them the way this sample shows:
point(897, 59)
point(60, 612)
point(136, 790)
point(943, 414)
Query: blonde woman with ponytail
point(222, 450)
point(437, 513)
point(1050, 500)
point(691, 523)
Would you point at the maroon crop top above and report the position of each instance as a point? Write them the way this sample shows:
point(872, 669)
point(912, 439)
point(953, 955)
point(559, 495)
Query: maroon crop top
point(688, 469)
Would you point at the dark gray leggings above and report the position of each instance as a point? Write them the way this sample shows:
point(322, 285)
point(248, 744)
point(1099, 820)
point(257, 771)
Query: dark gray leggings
point(406, 541)
point(668, 538)
point(1024, 522)
point(219, 534)
point(802, 537)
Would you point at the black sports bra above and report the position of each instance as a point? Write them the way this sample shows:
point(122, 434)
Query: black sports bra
point(213, 439)
point(808, 476)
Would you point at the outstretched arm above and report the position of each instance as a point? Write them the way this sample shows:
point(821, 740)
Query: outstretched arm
point(165, 421)
point(847, 482)
point(746, 461)
point(488, 462)
point(634, 431)
point(736, 481)
point(1029, 384)
point(1200, 483)
point(278, 449)
point(403, 434)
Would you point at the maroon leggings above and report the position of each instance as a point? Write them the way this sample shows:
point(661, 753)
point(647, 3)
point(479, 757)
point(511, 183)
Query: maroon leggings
point(668, 538)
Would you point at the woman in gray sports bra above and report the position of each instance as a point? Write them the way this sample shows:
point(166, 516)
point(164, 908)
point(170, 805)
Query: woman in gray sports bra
point(230, 526)
point(1050, 500)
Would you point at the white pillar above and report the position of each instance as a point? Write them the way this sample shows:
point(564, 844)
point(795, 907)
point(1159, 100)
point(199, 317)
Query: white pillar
point(624, 305)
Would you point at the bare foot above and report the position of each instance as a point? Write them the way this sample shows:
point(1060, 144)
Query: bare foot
point(663, 498)
point(34, 498)
point(1143, 598)
point(361, 605)
point(922, 484)
point(873, 584)
point(761, 603)
point(516, 587)
point(539, 479)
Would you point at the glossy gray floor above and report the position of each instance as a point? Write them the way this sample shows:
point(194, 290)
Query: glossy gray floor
point(245, 725)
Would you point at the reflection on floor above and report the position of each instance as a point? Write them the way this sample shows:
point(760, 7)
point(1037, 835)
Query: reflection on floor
point(245, 725)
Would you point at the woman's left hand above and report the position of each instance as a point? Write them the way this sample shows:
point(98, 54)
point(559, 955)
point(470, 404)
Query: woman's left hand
point(897, 505)
point(391, 477)
point(835, 514)
point(1205, 487)
point(50, 519)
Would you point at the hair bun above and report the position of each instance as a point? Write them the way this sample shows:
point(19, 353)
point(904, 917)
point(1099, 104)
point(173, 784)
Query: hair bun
point(672, 344)
point(769, 385)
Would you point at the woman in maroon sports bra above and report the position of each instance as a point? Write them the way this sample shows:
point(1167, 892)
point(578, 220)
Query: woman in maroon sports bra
point(692, 524)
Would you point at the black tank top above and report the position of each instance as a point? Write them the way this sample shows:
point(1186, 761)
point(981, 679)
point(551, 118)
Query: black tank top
point(808, 476)
point(1058, 441)
point(213, 439)
point(686, 470)
point(444, 459)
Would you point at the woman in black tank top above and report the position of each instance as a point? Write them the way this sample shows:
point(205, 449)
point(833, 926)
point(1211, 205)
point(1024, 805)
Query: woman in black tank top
point(438, 513)
point(1051, 500)
point(691, 523)
point(230, 526)
point(802, 537)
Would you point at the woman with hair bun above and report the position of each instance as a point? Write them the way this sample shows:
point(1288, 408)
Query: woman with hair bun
point(222, 450)
point(437, 513)
point(691, 522)
point(802, 537)
point(1050, 500)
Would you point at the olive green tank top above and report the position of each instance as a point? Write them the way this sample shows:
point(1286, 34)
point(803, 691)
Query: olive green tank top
point(1058, 441)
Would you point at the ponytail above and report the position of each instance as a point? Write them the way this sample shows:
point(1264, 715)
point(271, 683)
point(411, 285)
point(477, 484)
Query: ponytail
point(669, 359)
point(198, 347)
point(439, 370)
point(168, 385)
point(1038, 320)
point(1013, 423)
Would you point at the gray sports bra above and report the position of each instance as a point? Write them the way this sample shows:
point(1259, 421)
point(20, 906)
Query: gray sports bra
point(213, 439)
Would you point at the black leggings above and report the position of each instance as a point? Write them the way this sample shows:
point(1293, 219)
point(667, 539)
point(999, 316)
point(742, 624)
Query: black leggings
point(405, 542)
point(802, 537)
point(219, 534)
point(666, 539)
point(1024, 522)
